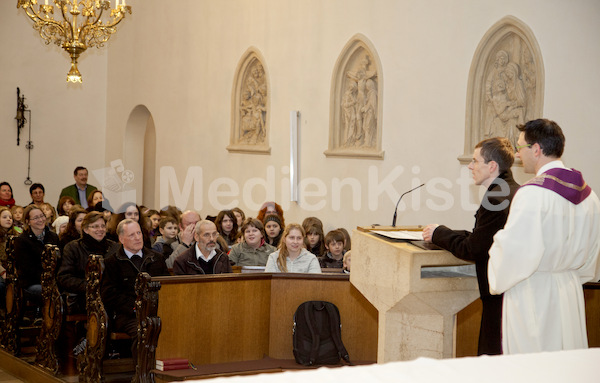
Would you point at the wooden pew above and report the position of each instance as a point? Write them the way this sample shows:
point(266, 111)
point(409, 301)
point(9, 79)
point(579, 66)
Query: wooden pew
point(243, 317)
point(51, 310)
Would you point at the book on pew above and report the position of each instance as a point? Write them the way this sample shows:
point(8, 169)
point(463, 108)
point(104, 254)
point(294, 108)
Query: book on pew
point(170, 367)
point(172, 364)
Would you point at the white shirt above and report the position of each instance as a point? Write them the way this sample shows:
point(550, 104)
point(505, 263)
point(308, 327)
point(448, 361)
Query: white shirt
point(129, 254)
point(200, 255)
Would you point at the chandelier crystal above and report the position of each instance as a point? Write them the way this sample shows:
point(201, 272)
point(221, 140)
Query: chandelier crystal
point(81, 26)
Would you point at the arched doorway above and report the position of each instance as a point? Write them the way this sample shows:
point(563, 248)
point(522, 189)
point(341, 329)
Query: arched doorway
point(139, 154)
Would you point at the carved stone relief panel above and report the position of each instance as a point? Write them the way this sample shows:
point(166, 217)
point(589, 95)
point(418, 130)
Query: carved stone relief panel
point(250, 106)
point(506, 84)
point(356, 104)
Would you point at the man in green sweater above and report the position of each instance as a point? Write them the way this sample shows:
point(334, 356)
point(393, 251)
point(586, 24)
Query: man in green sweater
point(80, 190)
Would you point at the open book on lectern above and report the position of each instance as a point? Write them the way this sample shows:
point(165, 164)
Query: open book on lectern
point(401, 234)
point(414, 237)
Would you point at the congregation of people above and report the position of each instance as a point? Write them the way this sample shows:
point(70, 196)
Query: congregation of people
point(554, 219)
point(167, 241)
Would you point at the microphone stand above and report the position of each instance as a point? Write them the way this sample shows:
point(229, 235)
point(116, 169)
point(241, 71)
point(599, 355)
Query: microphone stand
point(397, 203)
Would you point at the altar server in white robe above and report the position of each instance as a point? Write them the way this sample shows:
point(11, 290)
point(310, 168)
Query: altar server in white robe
point(547, 250)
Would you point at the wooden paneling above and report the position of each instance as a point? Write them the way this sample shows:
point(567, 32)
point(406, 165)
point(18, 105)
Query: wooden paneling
point(228, 318)
point(468, 322)
point(358, 316)
point(591, 293)
point(214, 320)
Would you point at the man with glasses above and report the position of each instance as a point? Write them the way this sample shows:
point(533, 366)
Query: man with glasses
point(492, 159)
point(547, 250)
point(80, 190)
point(205, 257)
point(185, 237)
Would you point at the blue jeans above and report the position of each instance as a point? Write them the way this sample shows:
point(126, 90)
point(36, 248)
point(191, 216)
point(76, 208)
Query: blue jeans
point(34, 294)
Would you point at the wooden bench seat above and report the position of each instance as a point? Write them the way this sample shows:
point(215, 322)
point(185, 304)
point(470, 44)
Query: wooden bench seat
point(248, 367)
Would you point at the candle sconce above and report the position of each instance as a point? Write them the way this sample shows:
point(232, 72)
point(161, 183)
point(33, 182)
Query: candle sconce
point(21, 120)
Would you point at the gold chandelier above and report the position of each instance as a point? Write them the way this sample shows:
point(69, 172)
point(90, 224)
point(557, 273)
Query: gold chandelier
point(73, 35)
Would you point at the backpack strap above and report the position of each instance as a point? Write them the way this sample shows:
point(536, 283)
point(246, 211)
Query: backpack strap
point(316, 340)
point(334, 318)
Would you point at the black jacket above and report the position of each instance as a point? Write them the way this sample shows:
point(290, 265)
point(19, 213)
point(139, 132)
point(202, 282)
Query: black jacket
point(118, 280)
point(474, 246)
point(28, 256)
point(71, 274)
point(328, 262)
point(187, 263)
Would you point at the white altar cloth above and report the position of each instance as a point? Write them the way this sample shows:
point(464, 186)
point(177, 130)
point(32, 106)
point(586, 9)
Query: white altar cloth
point(550, 367)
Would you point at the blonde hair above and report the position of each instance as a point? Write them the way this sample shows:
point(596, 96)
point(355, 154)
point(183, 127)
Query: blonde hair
point(283, 251)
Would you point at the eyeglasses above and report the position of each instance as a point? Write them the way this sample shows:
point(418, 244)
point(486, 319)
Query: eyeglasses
point(94, 227)
point(39, 217)
point(474, 161)
point(519, 147)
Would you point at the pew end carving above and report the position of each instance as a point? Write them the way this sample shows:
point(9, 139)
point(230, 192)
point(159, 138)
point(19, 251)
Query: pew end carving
point(14, 298)
point(90, 361)
point(149, 326)
point(52, 312)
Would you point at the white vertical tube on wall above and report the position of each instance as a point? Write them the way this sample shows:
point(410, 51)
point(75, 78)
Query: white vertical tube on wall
point(294, 114)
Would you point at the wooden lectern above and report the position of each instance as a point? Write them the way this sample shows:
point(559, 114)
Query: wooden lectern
point(417, 302)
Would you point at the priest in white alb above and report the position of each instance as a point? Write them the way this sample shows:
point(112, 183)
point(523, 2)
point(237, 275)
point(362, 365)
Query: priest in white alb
point(547, 250)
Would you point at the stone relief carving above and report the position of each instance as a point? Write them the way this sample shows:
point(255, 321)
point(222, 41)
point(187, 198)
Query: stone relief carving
point(505, 84)
point(355, 120)
point(249, 131)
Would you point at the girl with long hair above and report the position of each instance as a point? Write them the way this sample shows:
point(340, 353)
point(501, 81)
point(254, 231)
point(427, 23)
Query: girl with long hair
point(227, 227)
point(292, 257)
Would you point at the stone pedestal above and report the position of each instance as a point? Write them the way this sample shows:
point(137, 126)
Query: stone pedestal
point(417, 308)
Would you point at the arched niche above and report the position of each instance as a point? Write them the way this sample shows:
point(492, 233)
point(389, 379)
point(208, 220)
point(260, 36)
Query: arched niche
point(250, 106)
point(506, 84)
point(355, 128)
point(132, 178)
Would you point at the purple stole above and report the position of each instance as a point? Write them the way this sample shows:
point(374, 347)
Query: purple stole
point(568, 183)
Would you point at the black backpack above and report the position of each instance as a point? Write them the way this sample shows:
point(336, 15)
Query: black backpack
point(317, 334)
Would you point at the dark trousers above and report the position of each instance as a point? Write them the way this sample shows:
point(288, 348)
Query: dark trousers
point(490, 333)
point(128, 325)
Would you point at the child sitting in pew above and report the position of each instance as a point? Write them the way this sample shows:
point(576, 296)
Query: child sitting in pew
point(167, 241)
point(334, 243)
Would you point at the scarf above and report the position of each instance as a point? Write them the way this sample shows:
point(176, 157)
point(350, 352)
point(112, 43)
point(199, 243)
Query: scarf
point(96, 247)
point(7, 203)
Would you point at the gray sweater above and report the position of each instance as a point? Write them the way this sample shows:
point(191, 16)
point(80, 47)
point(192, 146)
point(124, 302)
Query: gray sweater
point(305, 263)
